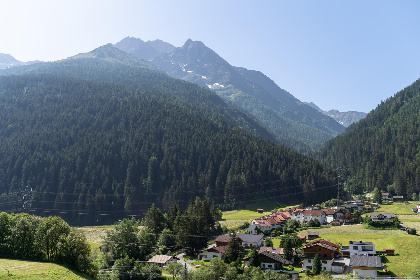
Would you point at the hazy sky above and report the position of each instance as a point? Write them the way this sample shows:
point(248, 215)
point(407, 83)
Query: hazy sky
point(346, 55)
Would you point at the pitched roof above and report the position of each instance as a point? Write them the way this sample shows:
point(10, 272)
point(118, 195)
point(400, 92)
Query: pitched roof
point(161, 259)
point(323, 243)
point(273, 256)
point(312, 233)
point(220, 249)
point(222, 238)
point(330, 211)
point(312, 212)
point(250, 238)
point(365, 261)
point(278, 251)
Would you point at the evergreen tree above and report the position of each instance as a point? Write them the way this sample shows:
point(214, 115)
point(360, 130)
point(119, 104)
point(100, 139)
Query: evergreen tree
point(254, 258)
point(317, 265)
point(154, 220)
point(377, 196)
point(233, 250)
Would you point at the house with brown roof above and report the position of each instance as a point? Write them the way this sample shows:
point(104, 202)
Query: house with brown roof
point(326, 250)
point(212, 252)
point(276, 251)
point(161, 260)
point(398, 198)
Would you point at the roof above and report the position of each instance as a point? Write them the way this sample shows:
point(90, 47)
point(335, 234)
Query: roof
point(398, 196)
point(273, 256)
point(161, 259)
point(360, 243)
point(222, 238)
point(312, 212)
point(278, 251)
point(385, 193)
point(330, 211)
point(365, 261)
point(313, 233)
point(323, 243)
point(220, 249)
point(250, 238)
point(386, 215)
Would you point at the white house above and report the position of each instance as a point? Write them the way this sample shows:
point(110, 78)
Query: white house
point(251, 240)
point(361, 248)
point(382, 216)
point(213, 252)
point(365, 266)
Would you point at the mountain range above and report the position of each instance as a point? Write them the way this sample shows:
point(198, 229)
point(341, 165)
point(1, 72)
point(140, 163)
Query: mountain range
point(344, 118)
point(6, 61)
point(103, 135)
point(293, 123)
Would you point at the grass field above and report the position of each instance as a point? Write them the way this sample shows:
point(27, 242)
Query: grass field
point(17, 269)
point(398, 208)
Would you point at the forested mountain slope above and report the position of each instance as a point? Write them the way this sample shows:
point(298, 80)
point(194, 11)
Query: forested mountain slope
point(99, 140)
point(294, 124)
point(383, 149)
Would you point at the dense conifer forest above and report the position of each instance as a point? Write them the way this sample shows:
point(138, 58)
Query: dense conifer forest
point(382, 150)
point(100, 140)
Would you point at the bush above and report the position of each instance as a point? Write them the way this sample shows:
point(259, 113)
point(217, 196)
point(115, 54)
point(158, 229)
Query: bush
point(412, 231)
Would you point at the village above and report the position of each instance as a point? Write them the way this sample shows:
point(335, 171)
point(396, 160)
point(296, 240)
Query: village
point(309, 254)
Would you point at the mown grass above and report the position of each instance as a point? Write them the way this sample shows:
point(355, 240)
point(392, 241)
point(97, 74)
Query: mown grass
point(406, 246)
point(18, 269)
point(398, 208)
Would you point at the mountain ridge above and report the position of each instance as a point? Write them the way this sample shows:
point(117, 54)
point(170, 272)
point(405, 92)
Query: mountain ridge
point(295, 125)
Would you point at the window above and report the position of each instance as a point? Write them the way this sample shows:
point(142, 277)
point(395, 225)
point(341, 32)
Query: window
point(324, 262)
point(309, 261)
point(355, 247)
point(324, 268)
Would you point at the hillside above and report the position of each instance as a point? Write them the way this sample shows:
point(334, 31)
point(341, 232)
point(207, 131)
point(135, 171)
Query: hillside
point(383, 149)
point(100, 140)
point(20, 269)
point(294, 124)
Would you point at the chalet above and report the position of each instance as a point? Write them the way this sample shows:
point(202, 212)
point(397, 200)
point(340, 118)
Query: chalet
point(365, 266)
point(305, 215)
point(212, 252)
point(252, 229)
point(269, 222)
point(382, 216)
point(349, 219)
point(326, 250)
point(161, 260)
point(260, 210)
point(312, 235)
point(277, 251)
point(272, 261)
point(250, 240)
point(398, 198)
point(385, 198)
point(361, 248)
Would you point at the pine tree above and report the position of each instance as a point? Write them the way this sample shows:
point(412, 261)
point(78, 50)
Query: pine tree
point(254, 258)
point(317, 265)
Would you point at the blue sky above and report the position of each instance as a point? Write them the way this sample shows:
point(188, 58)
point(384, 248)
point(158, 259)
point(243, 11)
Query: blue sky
point(346, 55)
